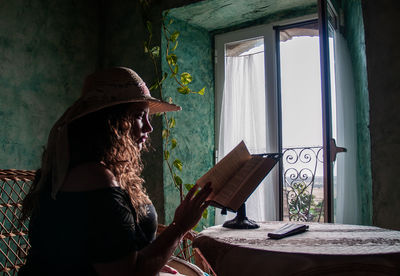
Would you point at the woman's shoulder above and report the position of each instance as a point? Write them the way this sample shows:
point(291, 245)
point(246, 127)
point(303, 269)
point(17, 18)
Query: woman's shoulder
point(89, 176)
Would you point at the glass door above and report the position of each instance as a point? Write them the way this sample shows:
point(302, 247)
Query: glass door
point(302, 174)
point(287, 105)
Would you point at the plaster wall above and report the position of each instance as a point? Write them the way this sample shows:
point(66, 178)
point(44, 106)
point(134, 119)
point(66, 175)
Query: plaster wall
point(46, 48)
point(383, 65)
point(354, 33)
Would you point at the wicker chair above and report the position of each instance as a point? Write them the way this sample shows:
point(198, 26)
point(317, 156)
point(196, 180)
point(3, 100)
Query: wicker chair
point(14, 244)
point(188, 253)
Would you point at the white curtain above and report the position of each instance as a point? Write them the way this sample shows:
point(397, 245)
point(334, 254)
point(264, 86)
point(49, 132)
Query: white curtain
point(243, 117)
point(347, 207)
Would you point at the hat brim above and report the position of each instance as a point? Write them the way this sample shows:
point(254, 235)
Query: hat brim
point(82, 108)
point(158, 106)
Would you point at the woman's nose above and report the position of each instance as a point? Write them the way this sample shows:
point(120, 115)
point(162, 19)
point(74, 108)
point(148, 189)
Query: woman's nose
point(147, 127)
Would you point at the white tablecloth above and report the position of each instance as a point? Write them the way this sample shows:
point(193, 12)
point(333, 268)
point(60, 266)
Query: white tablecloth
point(325, 249)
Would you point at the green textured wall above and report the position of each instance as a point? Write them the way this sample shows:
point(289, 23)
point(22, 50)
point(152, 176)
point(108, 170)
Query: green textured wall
point(383, 64)
point(354, 33)
point(46, 48)
point(195, 123)
point(220, 14)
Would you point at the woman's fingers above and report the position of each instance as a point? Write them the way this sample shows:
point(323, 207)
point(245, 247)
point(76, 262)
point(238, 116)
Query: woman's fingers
point(190, 210)
point(191, 192)
point(204, 206)
point(203, 194)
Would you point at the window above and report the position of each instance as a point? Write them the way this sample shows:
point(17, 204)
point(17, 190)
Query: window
point(268, 93)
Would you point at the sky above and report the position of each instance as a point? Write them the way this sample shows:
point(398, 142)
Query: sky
point(301, 92)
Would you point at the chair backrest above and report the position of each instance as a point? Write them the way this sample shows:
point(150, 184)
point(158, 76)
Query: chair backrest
point(14, 244)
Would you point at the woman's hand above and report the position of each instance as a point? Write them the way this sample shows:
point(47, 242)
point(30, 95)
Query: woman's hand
point(192, 207)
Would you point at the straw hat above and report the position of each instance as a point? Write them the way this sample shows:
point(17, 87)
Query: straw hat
point(102, 89)
point(115, 86)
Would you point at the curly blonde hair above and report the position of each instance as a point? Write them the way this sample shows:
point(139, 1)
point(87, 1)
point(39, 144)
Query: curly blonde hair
point(123, 157)
point(104, 136)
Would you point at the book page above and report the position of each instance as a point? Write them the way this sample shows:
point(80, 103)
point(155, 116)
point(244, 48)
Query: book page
point(253, 175)
point(225, 195)
point(225, 169)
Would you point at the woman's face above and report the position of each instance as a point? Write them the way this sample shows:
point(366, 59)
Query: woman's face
point(141, 126)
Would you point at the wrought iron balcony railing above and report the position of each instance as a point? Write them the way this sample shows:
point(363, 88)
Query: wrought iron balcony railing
point(303, 183)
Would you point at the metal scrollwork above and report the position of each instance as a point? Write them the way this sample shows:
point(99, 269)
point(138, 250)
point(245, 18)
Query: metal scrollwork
point(302, 185)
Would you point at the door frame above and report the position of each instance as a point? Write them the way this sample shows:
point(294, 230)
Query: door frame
point(326, 14)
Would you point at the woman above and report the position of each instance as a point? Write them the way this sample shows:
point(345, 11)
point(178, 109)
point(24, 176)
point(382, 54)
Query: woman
point(90, 214)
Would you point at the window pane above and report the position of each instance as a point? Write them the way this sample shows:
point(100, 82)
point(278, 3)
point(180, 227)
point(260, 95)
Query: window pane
point(243, 116)
point(301, 123)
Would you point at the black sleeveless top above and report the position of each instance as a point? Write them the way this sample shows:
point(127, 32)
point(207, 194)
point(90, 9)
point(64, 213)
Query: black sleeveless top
point(80, 228)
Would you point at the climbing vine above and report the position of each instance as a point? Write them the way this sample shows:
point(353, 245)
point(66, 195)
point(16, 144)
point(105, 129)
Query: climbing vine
point(182, 81)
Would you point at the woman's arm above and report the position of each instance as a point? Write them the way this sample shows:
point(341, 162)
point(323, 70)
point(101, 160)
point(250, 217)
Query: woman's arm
point(152, 258)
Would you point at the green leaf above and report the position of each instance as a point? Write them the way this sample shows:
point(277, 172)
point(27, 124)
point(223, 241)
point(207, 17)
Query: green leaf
point(165, 133)
point(186, 78)
point(154, 86)
point(176, 45)
point(189, 186)
point(178, 180)
point(201, 92)
point(183, 90)
point(171, 122)
point(149, 27)
point(173, 143)
point(172, 59)
point(155, 51)
point(166, 154)
point(178, 164)
point(174, 36)
point(171, 21)
point(205, 214)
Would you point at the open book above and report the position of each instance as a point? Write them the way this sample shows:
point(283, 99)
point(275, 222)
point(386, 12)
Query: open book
point(235, 177)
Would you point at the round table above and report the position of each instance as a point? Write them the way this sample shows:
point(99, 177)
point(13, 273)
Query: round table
point(325, 249)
